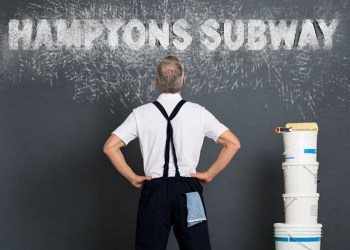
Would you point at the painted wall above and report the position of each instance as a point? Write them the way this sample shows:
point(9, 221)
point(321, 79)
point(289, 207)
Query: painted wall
point(72, 72)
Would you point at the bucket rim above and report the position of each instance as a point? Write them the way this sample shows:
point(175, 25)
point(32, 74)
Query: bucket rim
point(302, 195)
point(300, 131)
point(285, 225)
point(288, 163)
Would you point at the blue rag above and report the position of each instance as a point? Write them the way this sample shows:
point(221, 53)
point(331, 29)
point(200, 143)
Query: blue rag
point(195, 209)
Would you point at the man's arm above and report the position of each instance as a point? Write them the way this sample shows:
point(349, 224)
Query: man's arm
point(230, 146)
point(112, 149)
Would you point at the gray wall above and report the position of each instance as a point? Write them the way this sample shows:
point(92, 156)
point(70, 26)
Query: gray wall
point(58, 189)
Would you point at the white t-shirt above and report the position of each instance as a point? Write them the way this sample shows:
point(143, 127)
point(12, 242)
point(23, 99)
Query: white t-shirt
point(190, 125)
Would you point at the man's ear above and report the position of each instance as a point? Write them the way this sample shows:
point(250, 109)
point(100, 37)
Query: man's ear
point(184, 79)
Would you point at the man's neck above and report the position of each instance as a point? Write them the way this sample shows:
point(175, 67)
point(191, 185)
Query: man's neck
point(161, 92)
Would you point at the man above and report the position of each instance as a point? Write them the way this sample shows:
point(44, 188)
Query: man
point(171, 131)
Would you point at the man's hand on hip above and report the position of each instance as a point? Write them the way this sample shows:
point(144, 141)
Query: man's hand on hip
point(203, 177)
point(138, 180)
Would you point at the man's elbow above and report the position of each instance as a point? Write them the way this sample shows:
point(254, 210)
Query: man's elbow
point(236, 145)
point(106, 150)
point(230, 141)
point(114, 143)
point(109, 149)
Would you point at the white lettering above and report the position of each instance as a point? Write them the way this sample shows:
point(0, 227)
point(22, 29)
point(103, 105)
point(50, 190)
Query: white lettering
point(328, 31)
point(210, 29)
point(308, 36)
point(238, 34)
point(179, 30)
point(129, 35)
point(282, 33)
point(16, 34)
point(257, 39)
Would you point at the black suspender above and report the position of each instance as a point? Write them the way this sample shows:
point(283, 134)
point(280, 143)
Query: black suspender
point(169, 136)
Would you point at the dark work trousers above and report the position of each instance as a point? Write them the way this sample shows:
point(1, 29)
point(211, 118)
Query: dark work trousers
point(162, 204)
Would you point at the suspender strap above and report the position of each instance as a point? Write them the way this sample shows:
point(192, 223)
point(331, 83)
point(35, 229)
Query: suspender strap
point(169, 137)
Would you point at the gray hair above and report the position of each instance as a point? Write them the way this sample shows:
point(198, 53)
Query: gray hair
point(169, 74)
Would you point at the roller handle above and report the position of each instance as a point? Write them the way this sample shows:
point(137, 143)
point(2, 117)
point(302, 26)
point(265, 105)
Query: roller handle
point(282, 129)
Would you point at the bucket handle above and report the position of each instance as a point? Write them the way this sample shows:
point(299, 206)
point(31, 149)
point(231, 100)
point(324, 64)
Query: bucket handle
point(285, 208)
point(306, 247)
point(315, 175)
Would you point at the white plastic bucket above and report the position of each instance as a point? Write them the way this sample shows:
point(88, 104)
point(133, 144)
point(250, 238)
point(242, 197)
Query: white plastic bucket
point(300, 146)
point(297, 237)
point(300, 178)
point(301, 208)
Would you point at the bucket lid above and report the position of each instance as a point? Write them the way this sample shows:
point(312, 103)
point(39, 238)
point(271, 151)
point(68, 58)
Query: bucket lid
point(303, 195)
point(299, 164)
point(284, 225)
point(304, 126)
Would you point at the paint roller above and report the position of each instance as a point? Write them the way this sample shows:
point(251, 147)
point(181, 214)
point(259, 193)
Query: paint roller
point(302, 126)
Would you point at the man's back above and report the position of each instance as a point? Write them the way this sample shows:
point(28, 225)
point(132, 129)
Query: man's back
point(190, 126)
point(172, 192)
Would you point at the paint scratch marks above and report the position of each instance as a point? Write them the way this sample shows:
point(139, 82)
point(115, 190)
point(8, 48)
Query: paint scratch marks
point(301, 79)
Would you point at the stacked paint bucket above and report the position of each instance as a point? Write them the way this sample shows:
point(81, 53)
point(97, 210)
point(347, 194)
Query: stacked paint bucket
point(301, 230)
